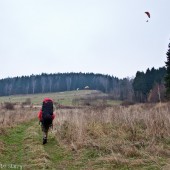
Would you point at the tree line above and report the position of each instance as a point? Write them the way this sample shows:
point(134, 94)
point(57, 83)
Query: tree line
point(137, 89)
point(149, 86)
point(58, 82)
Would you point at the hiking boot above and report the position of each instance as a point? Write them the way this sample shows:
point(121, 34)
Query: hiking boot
point(44, 141)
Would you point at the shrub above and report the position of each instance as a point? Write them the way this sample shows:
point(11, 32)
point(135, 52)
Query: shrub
point(127, 103)
point(9, 106)
point(27, 102)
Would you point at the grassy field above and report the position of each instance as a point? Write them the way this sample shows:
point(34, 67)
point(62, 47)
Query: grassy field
point(93, 137)
point(134, 137)
point(63, 98)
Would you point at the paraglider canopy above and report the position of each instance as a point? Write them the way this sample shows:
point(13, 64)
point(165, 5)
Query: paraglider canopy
point(148, 14)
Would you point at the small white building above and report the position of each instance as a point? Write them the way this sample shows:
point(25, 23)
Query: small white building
point(86, 87)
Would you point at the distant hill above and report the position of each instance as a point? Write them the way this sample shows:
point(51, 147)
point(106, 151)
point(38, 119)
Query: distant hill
point(48, 83)
point(137, 89)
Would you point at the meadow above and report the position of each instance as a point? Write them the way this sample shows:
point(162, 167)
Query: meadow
point(64, 98)
point(91, 137)
point(134, 137)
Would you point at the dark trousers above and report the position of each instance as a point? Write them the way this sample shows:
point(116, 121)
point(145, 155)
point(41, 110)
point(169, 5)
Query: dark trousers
point(45, 129)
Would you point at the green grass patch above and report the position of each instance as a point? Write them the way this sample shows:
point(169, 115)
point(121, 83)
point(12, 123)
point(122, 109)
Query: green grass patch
point(60, 157)
point(13, 145)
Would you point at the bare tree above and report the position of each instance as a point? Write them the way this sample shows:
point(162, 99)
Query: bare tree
point(43, 83)
point(68, 82)
point(33, 82)
point(50, 82)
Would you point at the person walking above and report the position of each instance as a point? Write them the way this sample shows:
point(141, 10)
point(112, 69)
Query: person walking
point(46, 117)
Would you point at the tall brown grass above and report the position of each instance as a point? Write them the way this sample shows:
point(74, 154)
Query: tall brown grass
point(134, 135)
point(10, 118)
point(118, 133)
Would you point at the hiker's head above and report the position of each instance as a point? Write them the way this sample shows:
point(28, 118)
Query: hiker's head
point(47, 100)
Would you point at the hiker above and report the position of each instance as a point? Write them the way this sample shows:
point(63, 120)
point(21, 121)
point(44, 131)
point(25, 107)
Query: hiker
point(46, 117)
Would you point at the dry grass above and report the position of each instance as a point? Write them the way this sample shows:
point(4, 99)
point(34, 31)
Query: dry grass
point(10, 118)
point(35, 156)
point(133, 136)
point(118, 133)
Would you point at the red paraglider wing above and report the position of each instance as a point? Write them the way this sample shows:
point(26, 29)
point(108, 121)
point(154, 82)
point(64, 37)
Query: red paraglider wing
point(148, 14)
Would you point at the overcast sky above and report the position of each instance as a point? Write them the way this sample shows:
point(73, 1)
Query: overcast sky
point(101, 36)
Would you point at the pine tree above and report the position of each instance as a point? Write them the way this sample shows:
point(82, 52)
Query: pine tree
point(167, 77)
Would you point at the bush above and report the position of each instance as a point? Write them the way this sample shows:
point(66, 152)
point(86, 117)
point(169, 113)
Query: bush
point(27, 102)
point(90, 101)
point(9, 106)
point(127, 103)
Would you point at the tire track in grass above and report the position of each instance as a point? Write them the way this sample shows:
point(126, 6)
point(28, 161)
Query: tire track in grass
point(35, 156)
point(49, 156)
point(60, 157)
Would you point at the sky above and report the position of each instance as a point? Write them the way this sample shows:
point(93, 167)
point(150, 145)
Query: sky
point(100, 36)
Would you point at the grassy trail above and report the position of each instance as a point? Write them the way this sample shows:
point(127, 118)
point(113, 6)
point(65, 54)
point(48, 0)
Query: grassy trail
point(21, 148)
